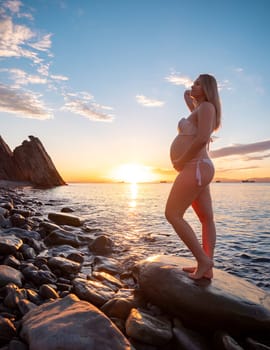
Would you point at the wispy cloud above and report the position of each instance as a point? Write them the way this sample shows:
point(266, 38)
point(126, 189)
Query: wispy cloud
point(258, 157)
point(241, 149)
point(83, 104)
point(147, 102)
point(59, 77)
point(12, 5)
point(20, 77)
point(25, 104)
point(22, 41)
point(178, 79)
point(43, 44)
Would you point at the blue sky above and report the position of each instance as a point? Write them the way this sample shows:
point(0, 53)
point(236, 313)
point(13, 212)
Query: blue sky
point(101, 82)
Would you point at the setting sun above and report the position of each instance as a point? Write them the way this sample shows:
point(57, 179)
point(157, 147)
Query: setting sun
point(133, 173)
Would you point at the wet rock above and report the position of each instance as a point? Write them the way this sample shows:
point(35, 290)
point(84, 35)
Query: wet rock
point(120, 305)
point(93, 291)
point(65, 219)
point(47, 227)
point(38, 277)
point(9, 244)
point(148, 329)
point(7, 205)
point(227, 302)
point(4, 212)
point(13, 295)
point(223, 341)
point(188, 339)
point(61, 237)
point(7, 330)
point(102, 245)
point(109, 265)
point(4, 223)
point(65, 265)
point(12, 262)
point(25, 306)
point(76, 256)
point(67, 210)
point(34, 297)
point(108, 280)
point(10, 275)
point(70, 324)
point(17, 220)
point(27, 252)
point(47, 292)
point(24, 235)
point(24, 213)
point(17, 345)
point(257, 345)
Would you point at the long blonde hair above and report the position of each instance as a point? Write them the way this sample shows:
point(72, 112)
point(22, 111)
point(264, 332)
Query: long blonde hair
point(210, 88)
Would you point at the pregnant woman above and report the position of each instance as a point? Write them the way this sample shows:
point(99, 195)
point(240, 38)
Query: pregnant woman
point(189, 156)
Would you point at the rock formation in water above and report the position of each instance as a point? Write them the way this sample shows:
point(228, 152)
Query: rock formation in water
point(29, 162)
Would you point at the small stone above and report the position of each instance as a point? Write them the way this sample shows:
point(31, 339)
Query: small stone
point(10, 275)
point(24, 213)
point(148, 329)
point(108, 280)
point(65, 219)
point(9, 244)
point(25, 306)
point(13, 295)
point(12, 262)
point(27, 252)
point(118, 307)
point(67, 210)
point(65, 265)
point(102, 245)
point(17, 220)
point(47, 292)
point(92, 291)
point(61, 237)
point(7, 330)
point(76, 257)
point(110, 265)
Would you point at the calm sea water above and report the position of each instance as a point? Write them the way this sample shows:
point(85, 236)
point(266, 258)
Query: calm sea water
point(133, 216)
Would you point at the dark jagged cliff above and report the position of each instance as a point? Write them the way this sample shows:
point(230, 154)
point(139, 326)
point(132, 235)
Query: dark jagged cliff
point(28, 162)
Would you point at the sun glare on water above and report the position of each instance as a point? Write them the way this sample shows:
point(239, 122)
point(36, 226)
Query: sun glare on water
point(133, 173)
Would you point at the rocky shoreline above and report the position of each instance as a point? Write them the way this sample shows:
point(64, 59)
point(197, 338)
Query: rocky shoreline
point(53, 298)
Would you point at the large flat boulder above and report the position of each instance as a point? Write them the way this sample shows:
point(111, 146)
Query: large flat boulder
point(70, 324)
point(226, 302)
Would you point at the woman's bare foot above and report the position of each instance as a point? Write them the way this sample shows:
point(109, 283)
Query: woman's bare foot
point(189, 269)
point(203, 270)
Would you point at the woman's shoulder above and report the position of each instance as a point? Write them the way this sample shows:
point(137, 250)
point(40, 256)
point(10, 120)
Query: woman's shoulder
point(206, 108)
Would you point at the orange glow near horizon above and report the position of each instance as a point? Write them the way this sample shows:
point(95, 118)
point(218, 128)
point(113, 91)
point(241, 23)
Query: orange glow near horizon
point(133, 173)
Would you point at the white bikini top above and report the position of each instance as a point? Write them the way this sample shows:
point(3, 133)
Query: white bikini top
point(186, 127)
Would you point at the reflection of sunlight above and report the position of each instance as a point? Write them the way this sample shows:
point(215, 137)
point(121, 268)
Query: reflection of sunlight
point(133, 173)
point(133, 195)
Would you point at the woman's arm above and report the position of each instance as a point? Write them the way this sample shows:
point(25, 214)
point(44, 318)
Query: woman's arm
point(190, 102)
point(206, 121)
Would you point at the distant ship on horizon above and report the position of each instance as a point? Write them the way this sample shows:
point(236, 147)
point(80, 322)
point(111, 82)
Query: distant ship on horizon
point(247, 181)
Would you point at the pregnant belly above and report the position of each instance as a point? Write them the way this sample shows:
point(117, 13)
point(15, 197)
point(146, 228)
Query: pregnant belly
point(179, 146)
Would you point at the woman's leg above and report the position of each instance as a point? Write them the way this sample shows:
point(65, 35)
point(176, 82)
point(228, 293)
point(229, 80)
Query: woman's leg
point(184, 191)
point(203, 208)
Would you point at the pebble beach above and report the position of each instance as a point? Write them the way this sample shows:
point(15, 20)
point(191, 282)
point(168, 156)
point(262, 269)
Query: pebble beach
point(60, 258)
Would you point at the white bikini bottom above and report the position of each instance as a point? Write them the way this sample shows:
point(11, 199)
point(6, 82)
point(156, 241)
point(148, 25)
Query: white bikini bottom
point(197, 162)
